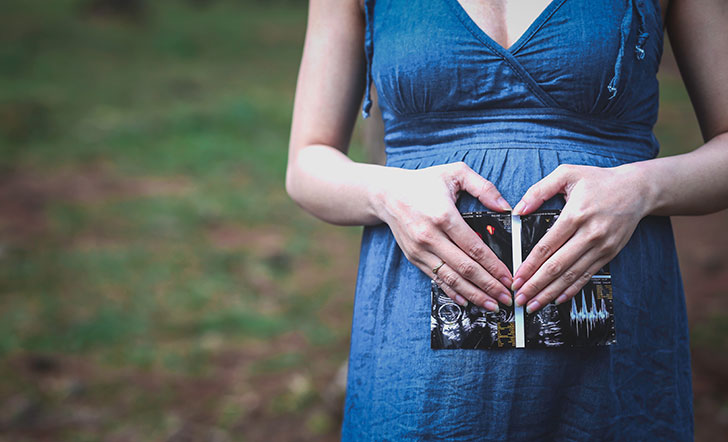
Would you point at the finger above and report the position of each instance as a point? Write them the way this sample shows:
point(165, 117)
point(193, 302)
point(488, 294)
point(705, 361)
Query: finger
point(472, 271)
point(446, 251)
point(552, 184)
point(431, 265)
point(446, 276)
point(557, 265)
point(452, 294)
point(576, 276)
point(484, 190)
point(471, 244)
point(468, 255)
point(578, 285)
point(555, 237)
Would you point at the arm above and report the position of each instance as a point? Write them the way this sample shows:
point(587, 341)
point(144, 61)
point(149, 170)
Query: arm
point(592, 230)
point(418, 205)
point(328, 93)
point(696, 183)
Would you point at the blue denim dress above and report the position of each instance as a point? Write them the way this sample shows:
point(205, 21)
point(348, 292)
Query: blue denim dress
point(578, 87)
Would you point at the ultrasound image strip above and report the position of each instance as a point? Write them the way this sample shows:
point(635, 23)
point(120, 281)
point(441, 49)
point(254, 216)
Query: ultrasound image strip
point(587, 320)
point(471, 327)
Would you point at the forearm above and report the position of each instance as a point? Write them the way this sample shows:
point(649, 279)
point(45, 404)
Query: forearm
point(694, 183)
point(332, 187)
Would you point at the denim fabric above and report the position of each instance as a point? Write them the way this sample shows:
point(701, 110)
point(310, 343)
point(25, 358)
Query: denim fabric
point(579, 87)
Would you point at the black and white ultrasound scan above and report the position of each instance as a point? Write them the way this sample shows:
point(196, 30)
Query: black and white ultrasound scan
point(585, 320)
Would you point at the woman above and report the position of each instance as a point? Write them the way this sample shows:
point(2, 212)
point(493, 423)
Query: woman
point(489, 104)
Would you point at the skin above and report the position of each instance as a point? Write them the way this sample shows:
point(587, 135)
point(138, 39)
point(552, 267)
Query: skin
point(419, 205)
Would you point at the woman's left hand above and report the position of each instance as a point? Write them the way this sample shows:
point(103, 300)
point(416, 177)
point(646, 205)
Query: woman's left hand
point(603, 208)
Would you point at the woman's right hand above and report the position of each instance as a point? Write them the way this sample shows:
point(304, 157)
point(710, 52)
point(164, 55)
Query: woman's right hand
point(419, 207)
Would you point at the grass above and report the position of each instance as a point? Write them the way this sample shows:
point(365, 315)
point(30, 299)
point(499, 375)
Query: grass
point(160, 238)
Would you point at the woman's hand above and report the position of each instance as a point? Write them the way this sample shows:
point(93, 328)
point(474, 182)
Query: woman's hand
point(419, 207)
point(603, 208)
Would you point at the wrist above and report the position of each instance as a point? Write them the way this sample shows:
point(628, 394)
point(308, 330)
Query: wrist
point(380, 191)
point(639, 177)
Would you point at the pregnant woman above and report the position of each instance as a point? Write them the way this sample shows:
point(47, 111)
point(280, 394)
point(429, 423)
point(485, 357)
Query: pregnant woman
point(493, 104)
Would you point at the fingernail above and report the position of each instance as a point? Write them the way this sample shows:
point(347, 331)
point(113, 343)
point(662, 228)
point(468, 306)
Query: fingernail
point(520, 207)
point(560, 299)
point(505, 299)
point(460, 300)
point(492, 306)
point(503, 204)
point(506, 281)
point(533, 306)
point(517, 284)
point(520, 300)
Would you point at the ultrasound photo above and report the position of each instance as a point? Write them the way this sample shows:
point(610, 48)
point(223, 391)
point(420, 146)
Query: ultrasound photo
point(453, 326)
point(586, 320)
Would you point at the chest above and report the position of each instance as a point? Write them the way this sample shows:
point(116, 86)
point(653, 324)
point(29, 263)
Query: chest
point(505, 21)
point(444, 55)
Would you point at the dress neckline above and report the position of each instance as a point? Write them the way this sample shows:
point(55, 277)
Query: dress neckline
point(530, 31)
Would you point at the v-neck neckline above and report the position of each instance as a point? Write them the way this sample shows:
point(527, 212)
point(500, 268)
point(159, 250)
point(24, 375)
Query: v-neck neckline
point(522, 39)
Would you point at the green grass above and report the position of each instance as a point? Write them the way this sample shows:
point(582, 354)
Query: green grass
point(152, 145)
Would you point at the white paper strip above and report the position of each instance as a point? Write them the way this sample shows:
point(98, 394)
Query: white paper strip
point(518, 311)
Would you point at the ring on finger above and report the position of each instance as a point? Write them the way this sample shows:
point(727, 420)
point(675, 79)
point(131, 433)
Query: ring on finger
point(437, 267)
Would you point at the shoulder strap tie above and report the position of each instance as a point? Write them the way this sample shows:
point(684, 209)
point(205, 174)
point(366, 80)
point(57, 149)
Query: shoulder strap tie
point(625, 28)
point(368, 51)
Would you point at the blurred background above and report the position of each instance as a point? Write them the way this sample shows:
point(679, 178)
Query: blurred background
point(156, 282)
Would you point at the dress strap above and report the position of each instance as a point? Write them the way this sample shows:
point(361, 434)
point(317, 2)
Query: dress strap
point(369, 52)
point(625, 28)
point(642, 33)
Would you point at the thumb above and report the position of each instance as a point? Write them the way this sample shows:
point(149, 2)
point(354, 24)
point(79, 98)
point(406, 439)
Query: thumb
point(484, 190)
point(552, 184)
